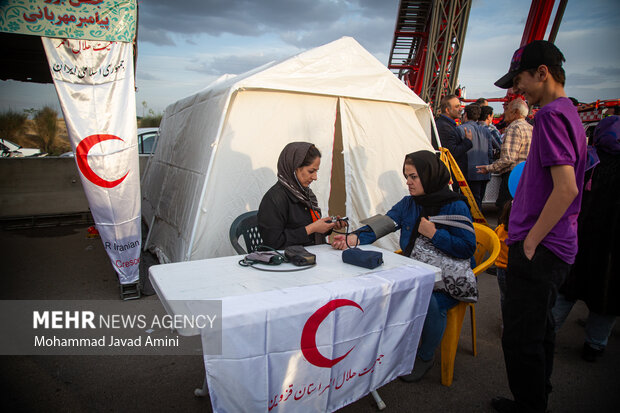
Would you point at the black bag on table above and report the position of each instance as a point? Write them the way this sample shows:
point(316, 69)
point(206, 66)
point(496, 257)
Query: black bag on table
point(298, 255)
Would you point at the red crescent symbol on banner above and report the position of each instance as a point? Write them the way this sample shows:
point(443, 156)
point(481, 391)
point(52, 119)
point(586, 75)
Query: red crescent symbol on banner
point(308, 335)
point(81, 156)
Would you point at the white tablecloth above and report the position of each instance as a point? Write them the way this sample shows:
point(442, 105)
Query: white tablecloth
point(312, 340)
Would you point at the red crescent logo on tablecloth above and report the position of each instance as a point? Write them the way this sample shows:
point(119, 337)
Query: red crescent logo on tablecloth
point(308, 335)
point(81, 156)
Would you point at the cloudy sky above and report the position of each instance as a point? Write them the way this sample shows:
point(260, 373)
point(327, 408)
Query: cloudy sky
point(185, 45)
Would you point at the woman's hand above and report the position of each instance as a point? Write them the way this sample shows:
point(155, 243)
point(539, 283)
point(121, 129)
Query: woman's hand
point(321, 226)
point(339, 223)
point(340, 243)
point(427, 228)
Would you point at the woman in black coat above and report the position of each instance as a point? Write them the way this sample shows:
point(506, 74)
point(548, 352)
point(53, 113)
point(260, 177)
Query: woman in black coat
point(289, 213)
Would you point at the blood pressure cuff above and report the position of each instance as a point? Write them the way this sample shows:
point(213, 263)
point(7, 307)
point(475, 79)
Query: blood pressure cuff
point(265, 257)
point(380, 224)
point(362, 258)
point(299, 256)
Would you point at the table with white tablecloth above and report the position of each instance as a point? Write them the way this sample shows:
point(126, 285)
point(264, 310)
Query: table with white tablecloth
point(312, 340)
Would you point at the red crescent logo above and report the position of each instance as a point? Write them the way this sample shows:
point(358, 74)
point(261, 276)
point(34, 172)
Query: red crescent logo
point(81, 157)
point(308, 335)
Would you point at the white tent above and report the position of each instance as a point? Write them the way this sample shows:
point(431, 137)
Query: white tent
point(218, 148)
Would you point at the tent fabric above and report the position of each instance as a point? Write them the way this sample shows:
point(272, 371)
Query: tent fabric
point(378, 136)
point(250, 144)
point(218, 148)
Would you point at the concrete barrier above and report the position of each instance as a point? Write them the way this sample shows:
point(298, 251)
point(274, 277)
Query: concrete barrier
point(42, 186)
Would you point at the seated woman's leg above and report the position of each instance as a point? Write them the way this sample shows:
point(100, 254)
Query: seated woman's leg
point(432, 332)
point(434, 324)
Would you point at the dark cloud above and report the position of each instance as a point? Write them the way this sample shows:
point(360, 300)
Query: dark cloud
point(594, 76)
point(145, 75)
point(583, 79)
point(370, 33)
point(374, 34)
point(610, 72)
point(158, 37)
point(234, 64)
point(241, 17)
point(379, 8)
point(299, 23)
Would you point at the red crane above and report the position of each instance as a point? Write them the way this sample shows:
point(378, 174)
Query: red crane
point(427, 46)
point(428, 42)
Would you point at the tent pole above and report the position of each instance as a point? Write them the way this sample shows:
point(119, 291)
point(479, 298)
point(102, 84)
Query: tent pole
point(148, 235)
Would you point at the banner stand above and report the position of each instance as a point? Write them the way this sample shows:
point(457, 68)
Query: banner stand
point(130, 291)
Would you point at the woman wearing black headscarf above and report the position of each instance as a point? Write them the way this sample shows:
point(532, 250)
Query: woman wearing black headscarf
point(289, 213)
point(427, 178)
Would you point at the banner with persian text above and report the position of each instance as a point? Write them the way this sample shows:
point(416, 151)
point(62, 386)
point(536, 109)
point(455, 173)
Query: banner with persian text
point(95, 85)
point(75, 19)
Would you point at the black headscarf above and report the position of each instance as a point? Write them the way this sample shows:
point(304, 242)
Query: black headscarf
point(291, 158)
point(435, 178)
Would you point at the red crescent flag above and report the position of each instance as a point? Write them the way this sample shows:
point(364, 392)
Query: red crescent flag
point(95, 86)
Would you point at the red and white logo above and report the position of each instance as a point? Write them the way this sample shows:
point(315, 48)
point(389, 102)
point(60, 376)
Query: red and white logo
point(308, 334)
point(81, 156)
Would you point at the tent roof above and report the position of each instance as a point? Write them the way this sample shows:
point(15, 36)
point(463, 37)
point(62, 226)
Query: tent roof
point(340, 68)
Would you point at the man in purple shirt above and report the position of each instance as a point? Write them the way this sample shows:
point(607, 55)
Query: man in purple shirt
point(542, 238)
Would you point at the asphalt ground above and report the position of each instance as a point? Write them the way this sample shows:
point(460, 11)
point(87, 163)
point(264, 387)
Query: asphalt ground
point(60, 263)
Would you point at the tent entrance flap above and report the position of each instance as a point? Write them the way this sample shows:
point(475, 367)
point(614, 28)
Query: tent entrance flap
point(337, 193)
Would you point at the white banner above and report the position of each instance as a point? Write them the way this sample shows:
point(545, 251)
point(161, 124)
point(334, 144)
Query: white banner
point(95, 85)
point(320, 347)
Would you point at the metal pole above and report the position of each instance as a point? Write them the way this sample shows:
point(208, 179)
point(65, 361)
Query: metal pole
point(558, 19)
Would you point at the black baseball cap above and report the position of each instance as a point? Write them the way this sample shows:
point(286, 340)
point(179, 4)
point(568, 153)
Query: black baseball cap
point(530, 56)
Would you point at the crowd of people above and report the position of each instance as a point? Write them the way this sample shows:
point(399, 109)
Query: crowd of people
point(558, 235)
point(479, 148)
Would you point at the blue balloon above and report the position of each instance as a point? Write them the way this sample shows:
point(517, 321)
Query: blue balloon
point(515, 176)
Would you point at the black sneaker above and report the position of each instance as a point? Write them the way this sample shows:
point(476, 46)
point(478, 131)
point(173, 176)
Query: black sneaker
point(590, 354)
point(504, 405)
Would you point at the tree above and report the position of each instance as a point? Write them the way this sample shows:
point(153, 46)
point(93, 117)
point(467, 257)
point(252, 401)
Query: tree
point(11, 124)
point(46, 123)
point(153, 120)
point(30, 112)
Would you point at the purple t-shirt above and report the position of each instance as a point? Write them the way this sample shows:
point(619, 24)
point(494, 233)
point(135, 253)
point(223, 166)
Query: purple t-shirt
point(558, 138)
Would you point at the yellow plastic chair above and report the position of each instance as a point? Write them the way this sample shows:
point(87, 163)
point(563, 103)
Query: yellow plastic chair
point(487, 250)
